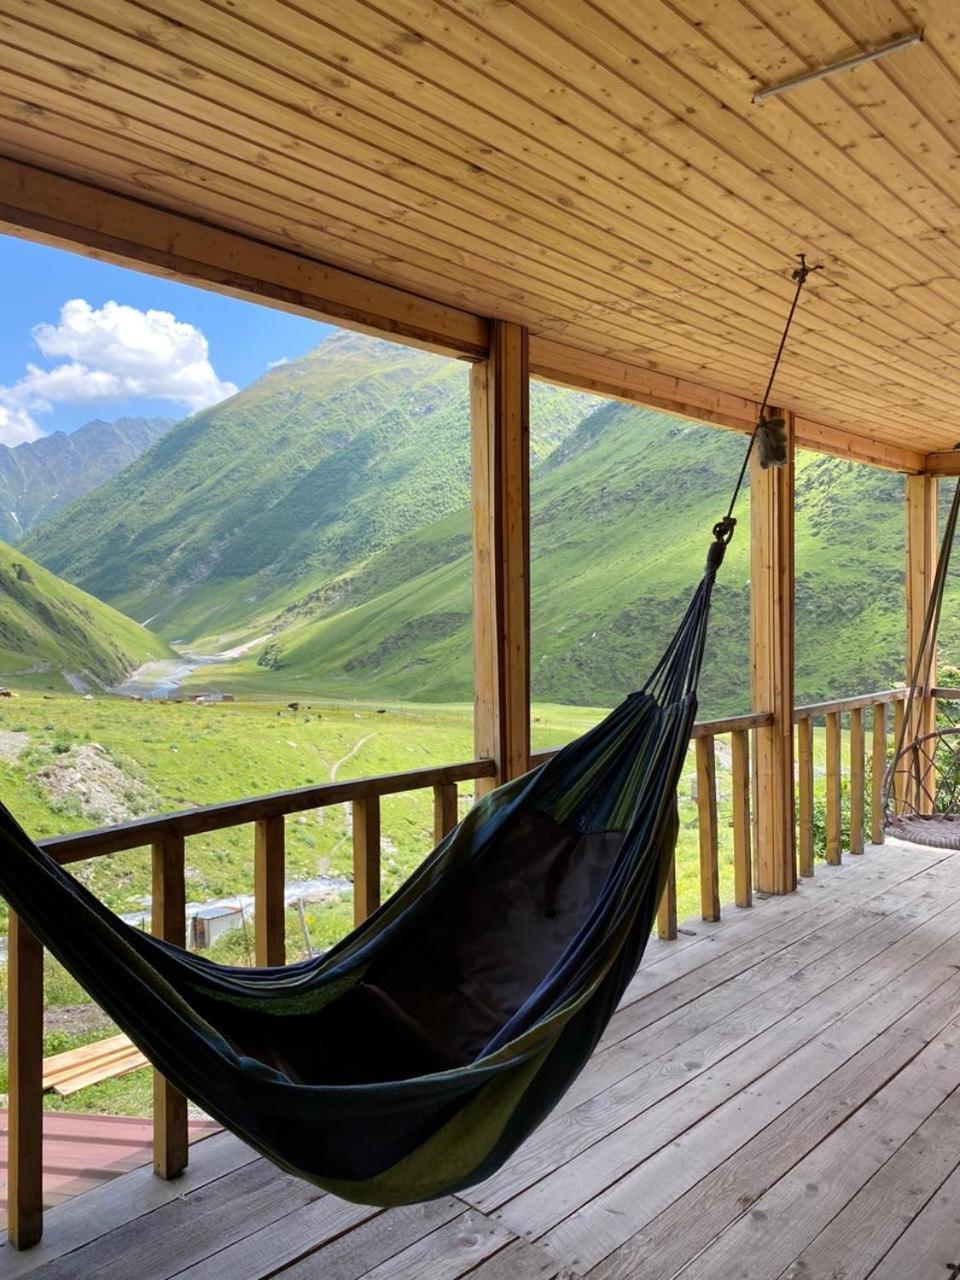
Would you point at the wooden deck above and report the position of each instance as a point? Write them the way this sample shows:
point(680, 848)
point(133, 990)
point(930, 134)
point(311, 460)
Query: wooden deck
point(777, 1097)
point(84, 1151)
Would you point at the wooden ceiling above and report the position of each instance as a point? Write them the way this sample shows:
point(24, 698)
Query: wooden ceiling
point(594, 169)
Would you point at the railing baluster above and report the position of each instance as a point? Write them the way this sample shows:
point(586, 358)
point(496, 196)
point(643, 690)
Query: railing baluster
point(833, 787)
point(269, 885)
point(878, 768)
point(707, 823)
point(667, 910)
point(805, 795)
point(25, 1057)
point(445, 815)
point(740, 782)
point(857, 766)
point(366, 857)
point(168, 913)
point(899, 776)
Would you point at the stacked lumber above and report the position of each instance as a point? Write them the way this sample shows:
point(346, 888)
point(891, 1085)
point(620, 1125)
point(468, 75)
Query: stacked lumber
point(68, 1072)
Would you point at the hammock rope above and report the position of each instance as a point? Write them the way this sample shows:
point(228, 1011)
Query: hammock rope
point(414, 1057)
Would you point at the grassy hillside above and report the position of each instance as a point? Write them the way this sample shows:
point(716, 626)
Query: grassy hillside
point(50, 629)
point(318, 465)
point(621, 518)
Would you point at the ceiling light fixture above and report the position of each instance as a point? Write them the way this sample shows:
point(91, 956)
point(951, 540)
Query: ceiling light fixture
point(846, 64)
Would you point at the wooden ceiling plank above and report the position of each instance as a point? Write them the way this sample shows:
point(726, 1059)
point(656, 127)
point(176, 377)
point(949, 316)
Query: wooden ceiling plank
point(127, 231)
point(653, 304)
point(672, 40)
point(361, 211)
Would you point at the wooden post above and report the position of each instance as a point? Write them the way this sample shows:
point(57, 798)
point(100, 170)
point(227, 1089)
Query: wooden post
point(879, 766)
point(833, 788)
point(25, 1058)
point(445, 814)
point(168, 919)
point(899, 776)
point(269, 883)
point(366, 857)
point(667, 910)
point(740, 780)
point(707, 828)
point(921, 566)
point(771, 667)
point(499, 392)
point(805, 794)
point(857, 780)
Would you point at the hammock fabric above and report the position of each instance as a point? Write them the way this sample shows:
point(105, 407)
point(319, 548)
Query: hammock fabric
point(414, 1057)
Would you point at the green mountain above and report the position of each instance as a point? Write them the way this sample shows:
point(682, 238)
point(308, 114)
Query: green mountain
point(317, 526)
point(53, 634)
point(39, 477)
point(621, 520)
point(318, 465)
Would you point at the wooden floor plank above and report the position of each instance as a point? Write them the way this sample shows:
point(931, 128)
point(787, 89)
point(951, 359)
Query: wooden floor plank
point(573, 1182)
point(761, 1244)
point(381, 1237)
point(775, 1086)
point(871, 1223)
point(624, 1095)
point(633, 1202)
point(930, 1246)
point(86, 1218)
point(192, 1227)
point(695, 1218)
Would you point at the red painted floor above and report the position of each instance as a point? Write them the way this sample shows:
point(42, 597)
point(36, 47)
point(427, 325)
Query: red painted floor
point(81, 1151)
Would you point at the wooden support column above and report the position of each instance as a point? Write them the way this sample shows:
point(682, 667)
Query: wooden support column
point(25, 1111)
point(366, 857)
point(500, 388)
point(771, 667)
point(168, 916)
point(921, 567)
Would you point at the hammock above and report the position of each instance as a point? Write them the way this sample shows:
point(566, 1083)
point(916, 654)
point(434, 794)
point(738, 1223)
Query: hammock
point(416, 1055)
point(922, 782)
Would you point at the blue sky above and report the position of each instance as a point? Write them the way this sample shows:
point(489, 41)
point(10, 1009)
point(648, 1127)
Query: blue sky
point(106, 356)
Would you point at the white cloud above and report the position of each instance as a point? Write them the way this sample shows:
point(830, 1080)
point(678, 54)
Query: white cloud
point(275, 364)
point(114, 352)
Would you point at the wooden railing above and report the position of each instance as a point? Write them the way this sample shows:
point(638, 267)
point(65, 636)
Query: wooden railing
point(166, 837)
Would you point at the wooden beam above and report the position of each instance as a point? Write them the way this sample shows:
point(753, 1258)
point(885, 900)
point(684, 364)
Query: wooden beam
point(168, 919)
point(586, 371)
point(834, 791)
point(857, 780)
point(771, 667)
point(856, 448)
point(942, 464)
point(445, 810)
point(920, 570)
point(269, 883)
point(74, 215)
point(805, 794)
point(501, 551)
point(25, 1058)
point(667, 908)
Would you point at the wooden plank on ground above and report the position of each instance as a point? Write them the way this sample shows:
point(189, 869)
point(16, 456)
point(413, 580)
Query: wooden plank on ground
point(629, 1204)
point(802, 1203)
point(372, 1242)
point(696, 1217)
point(81, 1221)
point(930, 1246)
point(638, 1095)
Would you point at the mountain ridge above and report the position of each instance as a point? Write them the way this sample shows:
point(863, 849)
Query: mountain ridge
point(40, 477)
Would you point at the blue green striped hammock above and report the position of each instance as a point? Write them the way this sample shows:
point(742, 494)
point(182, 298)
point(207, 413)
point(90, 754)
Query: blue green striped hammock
point(414, 1057)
